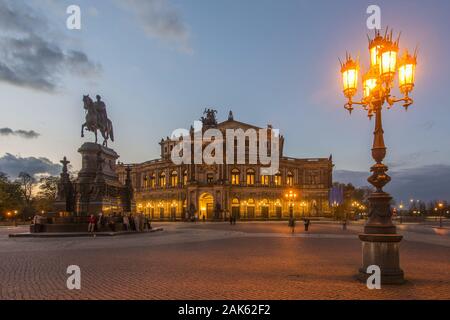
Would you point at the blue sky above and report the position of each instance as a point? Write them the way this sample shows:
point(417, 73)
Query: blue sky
point(159, 63)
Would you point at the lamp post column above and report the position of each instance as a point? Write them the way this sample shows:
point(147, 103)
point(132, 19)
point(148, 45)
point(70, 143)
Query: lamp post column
point(380, 242)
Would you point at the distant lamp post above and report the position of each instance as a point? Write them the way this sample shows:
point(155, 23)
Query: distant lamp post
point(400, 212)
point(15, 217)
point(380, 242)
point(441, 206)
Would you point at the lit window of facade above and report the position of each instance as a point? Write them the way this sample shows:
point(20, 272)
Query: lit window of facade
point(277, 179)
point(250, 177)
point(174, 179)
point(235, 176)
point(162, 180)
point(185, 178)
point(290, 179)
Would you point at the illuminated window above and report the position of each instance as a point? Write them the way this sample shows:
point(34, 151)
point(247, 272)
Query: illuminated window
point(290, 179)
point(185, 178)
point(235, 176)
point(152, 181)
point(162, 180)
point(277, 179)
point(174, 179)
point(250, 177)
point(265, 180)
point(145, 182)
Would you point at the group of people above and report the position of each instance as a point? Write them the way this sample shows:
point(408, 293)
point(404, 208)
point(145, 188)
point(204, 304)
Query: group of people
point(292, 222)
point(137, 222)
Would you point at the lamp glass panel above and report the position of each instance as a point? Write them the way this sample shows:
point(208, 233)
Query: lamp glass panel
point(374, 58)
point(406, 75)
point(350, 79)
point(388, 62)
point(369, 84)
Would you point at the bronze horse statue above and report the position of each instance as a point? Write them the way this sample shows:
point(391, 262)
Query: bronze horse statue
point(94, 123)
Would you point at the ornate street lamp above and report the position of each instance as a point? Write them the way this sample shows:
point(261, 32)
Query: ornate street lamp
point(380, 242)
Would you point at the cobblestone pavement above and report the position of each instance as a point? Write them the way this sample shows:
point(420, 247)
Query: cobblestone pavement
point(217, 261)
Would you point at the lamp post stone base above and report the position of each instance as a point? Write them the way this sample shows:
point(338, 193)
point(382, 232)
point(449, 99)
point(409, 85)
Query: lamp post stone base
point(381, 250)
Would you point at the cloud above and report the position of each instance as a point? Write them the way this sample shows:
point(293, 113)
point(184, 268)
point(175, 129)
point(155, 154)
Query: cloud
point(30, 134)
point(431, 182)
point(160, 20)
point(28, 58)
point(13, 165)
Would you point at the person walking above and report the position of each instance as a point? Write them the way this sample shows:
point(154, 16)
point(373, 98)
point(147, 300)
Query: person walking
point(344, 225)
point(292, 224)
point(147, 223)
point(126, 223)
point(91, 223)
point(98, 225)
point(136, 223)
point(131, 222)
point(306, 222)
point(141, 222)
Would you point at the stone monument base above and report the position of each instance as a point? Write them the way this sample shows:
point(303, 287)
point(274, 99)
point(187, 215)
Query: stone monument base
point(382, 250)
point(72, 224)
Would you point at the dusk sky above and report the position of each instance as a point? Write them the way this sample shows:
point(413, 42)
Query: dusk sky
point(157, 64)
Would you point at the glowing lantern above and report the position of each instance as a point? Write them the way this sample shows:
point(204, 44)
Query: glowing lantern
point(388, 59)
point(406, 72)
point(369, 83)
point(349, 71)
point(374, 49)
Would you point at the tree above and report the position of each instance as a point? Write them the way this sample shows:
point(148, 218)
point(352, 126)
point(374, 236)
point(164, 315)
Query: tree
point(10, 195)
point(46, 194)
point(27, 182)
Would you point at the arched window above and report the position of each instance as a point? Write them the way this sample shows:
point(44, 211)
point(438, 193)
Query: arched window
point(235, 176)
point(290, 179)
point(277, 179)
point(162, 179)
point(185, 177)
point(152, 181)
point(174, 179)
point(145, 182)
point(250, 177)
point(265, 180)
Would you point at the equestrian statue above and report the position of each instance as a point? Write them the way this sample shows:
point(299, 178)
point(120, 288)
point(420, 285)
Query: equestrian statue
point(97, 119)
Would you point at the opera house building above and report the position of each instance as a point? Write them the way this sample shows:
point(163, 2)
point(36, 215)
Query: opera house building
point(168, 191)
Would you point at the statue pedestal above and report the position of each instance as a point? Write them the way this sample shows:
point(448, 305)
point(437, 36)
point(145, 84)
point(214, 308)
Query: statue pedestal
point(96, 190)
point(382, 250)
point(380, 241)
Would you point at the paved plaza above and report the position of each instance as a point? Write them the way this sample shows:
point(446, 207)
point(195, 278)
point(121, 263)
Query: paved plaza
point(218, 261)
